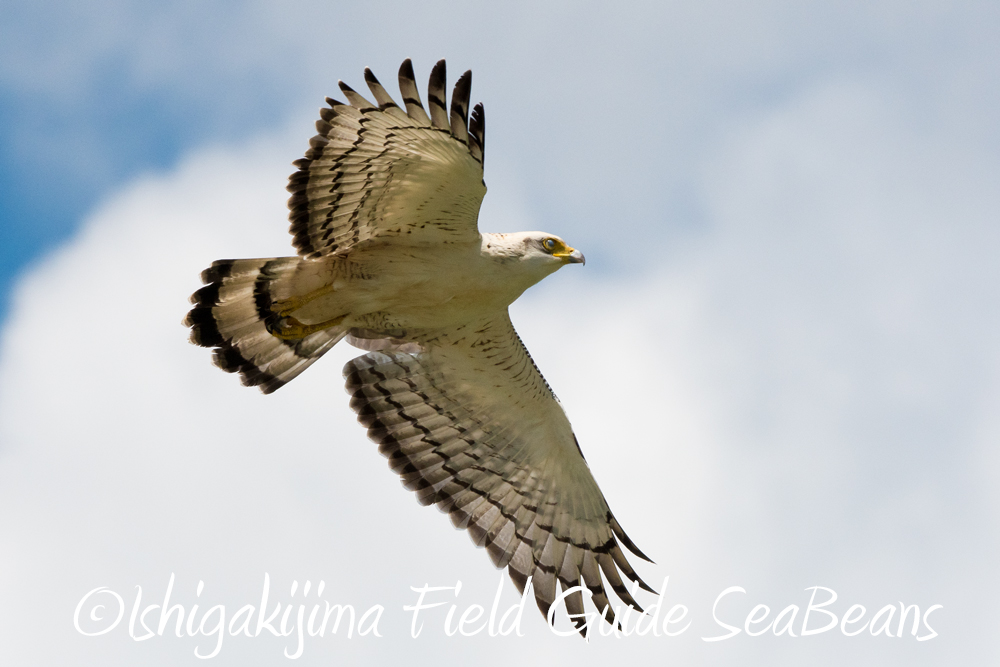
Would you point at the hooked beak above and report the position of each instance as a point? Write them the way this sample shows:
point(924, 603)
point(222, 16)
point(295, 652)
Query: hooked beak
point(575, 257)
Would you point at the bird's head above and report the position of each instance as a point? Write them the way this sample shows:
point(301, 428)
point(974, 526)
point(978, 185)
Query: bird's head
point(554, 248)
point(537, 251)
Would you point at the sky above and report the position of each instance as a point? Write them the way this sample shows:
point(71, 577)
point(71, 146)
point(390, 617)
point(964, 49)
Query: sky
point(782, 359)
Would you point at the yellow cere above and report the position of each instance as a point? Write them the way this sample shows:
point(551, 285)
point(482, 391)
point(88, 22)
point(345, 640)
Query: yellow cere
point(558, 248)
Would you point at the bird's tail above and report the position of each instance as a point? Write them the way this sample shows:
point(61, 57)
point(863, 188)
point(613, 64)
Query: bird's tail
point(239, 313)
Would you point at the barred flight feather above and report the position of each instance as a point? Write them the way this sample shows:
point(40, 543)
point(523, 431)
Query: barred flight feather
point(436, 97)
point(375, 171)
point(460, 107)
point(382, 97)
point(232, 313)
point(411, 95)
point(468, 455)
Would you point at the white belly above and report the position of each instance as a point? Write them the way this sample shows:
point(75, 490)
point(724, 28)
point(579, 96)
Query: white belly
point(409, 288)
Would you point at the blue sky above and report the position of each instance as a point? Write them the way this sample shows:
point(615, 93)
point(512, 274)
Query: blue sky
point(781, 358)
point(94, 96)
point(80, 117)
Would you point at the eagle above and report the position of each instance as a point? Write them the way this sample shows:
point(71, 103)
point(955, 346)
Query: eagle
point(384, 214)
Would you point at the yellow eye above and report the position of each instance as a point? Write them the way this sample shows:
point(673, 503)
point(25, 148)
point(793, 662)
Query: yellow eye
point(549, 244)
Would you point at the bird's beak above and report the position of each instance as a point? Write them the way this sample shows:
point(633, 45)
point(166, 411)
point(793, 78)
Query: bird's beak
point(575, 257)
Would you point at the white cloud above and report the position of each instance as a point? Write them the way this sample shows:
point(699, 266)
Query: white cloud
point(779, 411)
point(583, 99)
point(803, 393)
point(128, 456)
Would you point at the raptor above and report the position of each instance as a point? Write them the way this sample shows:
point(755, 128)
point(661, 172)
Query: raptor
point(384, 215)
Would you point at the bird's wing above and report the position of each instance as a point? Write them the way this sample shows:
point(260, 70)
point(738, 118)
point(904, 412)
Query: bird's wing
point(377, 171)
point(469, 423)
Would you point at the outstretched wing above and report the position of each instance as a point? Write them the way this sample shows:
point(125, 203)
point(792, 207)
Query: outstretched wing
point(377, 171)
point(468, 422)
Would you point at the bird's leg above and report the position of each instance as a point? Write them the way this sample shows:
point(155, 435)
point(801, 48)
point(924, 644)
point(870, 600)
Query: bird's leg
point(283, 307)
point(289, 328)
point(282, 325)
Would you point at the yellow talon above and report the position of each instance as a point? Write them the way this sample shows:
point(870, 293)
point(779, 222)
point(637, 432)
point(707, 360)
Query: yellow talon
point(289, 328)
point(293, 303)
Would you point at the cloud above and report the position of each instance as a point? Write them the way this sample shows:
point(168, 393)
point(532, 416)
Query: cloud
point(800, 390)
point(592, 93)
point(128, 457)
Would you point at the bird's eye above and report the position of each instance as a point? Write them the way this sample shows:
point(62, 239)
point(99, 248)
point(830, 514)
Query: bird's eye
point(549, 244)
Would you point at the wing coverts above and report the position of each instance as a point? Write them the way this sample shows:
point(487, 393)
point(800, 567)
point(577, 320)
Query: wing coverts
point(375, 170)
point(470, 426)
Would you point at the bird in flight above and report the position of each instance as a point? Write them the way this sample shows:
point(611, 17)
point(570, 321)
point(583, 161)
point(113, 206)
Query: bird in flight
point(384, 216)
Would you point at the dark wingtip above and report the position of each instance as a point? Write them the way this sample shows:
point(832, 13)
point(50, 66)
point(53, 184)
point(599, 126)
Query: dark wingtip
point(624, 539)
point(440, 71)
point(437, 96)
point(463, 87)
point(477, 133)
point(635, 550)
point(439, 74)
